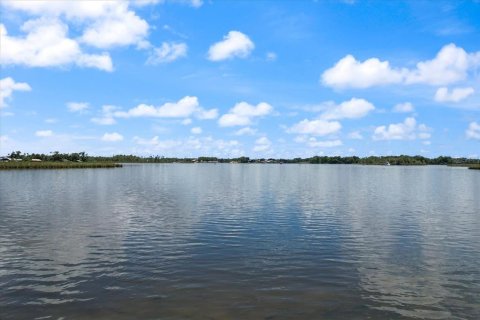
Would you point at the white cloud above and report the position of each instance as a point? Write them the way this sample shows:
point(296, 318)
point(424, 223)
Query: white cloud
point(183, 108)
point(142, 3)
point(355, 135)
point(46, 45)
point(473, 131)
point(245, 131)
point(262, 144)
point(8, 86)
point(187, 121)
point(112, 137)
point(118, 27)
point(192, 146)
point(207, 114)
point(315, 127)
point(450, 65)
point(168, 52)
point(404, 107)
point(234, 44)
point(271, 56)
point(102, 24)
point(196, 130)
point(77, 106)
point(243, 113)
point(107, 116)
point(147, 142)
point(44, 133)
point(107, 23)
point(314, 143)
point(354, 108)
point(407, 130)
point(196, 3)
point(105, 121)
point(456, 95)
point(349, 72)
point(71, 10)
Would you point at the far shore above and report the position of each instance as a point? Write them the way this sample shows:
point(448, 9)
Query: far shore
point(11, 165)
point(57, 160)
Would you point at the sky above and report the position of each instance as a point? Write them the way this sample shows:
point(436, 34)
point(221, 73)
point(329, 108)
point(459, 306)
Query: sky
point(281, 79)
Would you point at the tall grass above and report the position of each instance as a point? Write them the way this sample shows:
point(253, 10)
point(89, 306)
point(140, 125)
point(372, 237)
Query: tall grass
point(474, 167)
point(56, 165)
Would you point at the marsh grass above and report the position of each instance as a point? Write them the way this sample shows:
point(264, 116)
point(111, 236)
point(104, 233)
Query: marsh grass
point(56, 165)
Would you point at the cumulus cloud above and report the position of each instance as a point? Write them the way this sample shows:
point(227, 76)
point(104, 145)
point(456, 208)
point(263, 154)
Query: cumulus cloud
point(351, 109)
point(186, 122)
point(314, 143)
point(404, 107)
point(455, 95)
point(167, 52)
point(119, 27)
point(183, 108)
point(71, 10)
point(8, 86)
point(243, 113)
point(262, 144)
point(105, 121)
point(355, 135)
point(196, 130)
point(44, 133)
point(106, 117)
point(77, 106)
point(234, 44)
point(106, 23)
point(207, 114)
point(102, 25)
point(46, 45)
point(473, 131)
point(112, 137)
point(245, 131)
point(450, 65)
point(193, 146)
point(406, 130)
point(349, 72)
point(317, 127)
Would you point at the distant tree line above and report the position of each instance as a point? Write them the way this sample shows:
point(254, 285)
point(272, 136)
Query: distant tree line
point(123, 158)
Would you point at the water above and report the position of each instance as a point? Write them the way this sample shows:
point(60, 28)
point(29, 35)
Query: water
point(232, 241)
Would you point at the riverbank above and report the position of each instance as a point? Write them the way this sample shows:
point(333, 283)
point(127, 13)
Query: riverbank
point(474, 167)
point(56, 165)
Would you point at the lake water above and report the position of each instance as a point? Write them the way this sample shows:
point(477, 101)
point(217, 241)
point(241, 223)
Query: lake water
point(233, 241)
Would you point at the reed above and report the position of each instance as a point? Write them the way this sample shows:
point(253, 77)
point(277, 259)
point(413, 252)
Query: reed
point(56, 165)
point(474, 167)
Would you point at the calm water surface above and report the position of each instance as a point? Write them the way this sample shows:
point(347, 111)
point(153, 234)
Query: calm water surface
point(214, 241)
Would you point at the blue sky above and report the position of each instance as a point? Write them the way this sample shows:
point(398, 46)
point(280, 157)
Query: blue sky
point(232, 78)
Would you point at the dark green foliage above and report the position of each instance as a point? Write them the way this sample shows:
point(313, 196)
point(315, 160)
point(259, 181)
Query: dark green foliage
point(401, 160)
point(56, 165)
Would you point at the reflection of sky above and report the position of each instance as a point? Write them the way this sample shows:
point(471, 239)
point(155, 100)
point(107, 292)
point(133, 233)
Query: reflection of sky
point(410, 242)
point(402, 241)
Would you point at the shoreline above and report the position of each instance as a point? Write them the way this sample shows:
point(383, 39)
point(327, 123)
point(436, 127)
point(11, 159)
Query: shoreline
point(28, 165)
point(23, 165)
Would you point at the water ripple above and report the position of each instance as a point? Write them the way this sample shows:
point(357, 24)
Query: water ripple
point(240, 242)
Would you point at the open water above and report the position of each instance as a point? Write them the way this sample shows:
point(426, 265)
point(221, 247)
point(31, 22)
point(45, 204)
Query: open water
point(234, 241)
